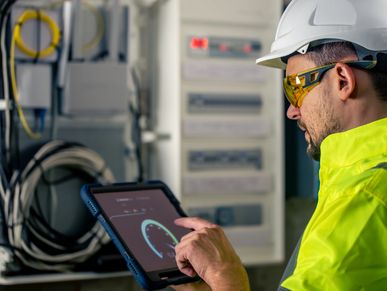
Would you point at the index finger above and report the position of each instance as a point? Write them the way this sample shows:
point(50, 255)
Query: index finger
point(195, 223)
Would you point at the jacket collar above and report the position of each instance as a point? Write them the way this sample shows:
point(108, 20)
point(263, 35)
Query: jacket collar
point(346, 148)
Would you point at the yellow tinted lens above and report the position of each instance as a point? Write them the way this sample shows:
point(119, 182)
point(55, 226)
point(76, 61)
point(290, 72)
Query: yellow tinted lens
point(300, 94)
point(295, 91)
point(289, 92)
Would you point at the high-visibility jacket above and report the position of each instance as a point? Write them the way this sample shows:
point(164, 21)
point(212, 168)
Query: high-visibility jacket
point(344, 246)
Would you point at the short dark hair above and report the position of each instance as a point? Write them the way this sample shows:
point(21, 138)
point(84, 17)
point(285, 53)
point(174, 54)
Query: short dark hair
point(332, 52)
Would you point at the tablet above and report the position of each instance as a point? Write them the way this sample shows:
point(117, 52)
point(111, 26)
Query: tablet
point(139, 218)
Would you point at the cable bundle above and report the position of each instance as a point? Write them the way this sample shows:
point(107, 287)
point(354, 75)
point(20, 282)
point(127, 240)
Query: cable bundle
point(18, 40)
point(29, 236)
point(43, 17)
point(6, 118)
point(34, 248)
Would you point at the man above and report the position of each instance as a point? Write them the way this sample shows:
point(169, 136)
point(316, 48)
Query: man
point(334, 53)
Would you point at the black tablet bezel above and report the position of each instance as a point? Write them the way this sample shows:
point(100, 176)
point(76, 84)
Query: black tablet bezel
point(157, 278)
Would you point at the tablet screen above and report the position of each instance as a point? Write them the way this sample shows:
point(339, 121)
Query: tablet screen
point(144, 219)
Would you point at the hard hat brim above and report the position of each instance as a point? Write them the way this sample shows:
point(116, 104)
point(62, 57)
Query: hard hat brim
point(274, 59)
point(271, 60)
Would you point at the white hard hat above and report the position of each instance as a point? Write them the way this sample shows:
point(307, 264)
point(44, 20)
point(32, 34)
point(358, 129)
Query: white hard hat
point(307, 23)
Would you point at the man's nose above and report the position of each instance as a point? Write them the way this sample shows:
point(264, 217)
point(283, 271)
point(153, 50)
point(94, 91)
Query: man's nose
point(293, 113)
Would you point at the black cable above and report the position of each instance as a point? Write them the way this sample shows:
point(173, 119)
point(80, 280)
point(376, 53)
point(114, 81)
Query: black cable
point(5, 7)
point(5, 185)
point(56, 93)
point(2, 119)
point(37, 164)
point(54, 235)
point(53, 151)
point(136, 127)
point(39, 222)
point(38, 35)
point(43, 227)
point(136, 137)
point(4, 12)
point(34, 229)
point(2, 135)
point(15, 163)
point(4, 177)
point(11, 248)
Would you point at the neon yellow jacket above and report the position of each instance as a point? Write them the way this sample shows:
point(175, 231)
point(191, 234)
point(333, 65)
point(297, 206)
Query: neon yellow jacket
point(344, 246)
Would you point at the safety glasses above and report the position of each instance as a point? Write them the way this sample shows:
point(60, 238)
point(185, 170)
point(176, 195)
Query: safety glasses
point(297, 86)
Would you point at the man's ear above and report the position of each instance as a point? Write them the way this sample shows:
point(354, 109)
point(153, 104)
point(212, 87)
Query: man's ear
point(346, 81)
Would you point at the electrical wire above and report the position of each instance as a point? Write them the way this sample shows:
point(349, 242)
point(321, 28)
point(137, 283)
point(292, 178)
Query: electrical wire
point(7, 113)
point(31, 134)
point(5, 247)
point(100, 24)
point(17, 39)
point(135, 110)
point(4, 15)
point(29, 236)
point(38, 249)
point(42, 17)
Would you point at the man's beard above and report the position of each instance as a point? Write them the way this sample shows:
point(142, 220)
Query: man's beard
point(329, 124)
point(313, 150)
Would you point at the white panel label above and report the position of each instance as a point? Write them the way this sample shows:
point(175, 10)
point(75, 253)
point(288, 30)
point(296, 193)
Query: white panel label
point(230, 127)
point(254, 184)
point(223, 71)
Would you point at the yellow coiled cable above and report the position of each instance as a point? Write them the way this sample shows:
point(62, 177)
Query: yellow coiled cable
point(39, 15)
point(17, 39)
point(100, 27)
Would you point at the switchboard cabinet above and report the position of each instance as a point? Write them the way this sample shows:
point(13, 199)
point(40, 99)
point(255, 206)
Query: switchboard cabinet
point(223, 116)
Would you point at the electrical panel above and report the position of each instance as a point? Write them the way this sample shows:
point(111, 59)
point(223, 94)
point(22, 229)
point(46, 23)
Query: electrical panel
point(98, 79)
point(100, 31)
point(228, 103)
point(68, 97)
point(223, 116)
point(98, 88)
point(35, 41)
point(230, 215)
point(35, 88)
point(223, 47)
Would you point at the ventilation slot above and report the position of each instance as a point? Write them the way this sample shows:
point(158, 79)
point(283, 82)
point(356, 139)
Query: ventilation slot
point(92, 207)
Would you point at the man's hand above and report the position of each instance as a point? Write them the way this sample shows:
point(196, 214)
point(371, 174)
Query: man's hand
point(207, 252)
point(196, 286)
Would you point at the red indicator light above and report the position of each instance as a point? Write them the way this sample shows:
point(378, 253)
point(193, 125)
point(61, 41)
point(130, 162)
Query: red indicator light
point(199, 43)
point(223, 47)
point(205, 43)
point(247, 48)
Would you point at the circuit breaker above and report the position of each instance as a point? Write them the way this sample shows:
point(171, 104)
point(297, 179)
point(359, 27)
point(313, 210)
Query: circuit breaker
point(224, 119)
